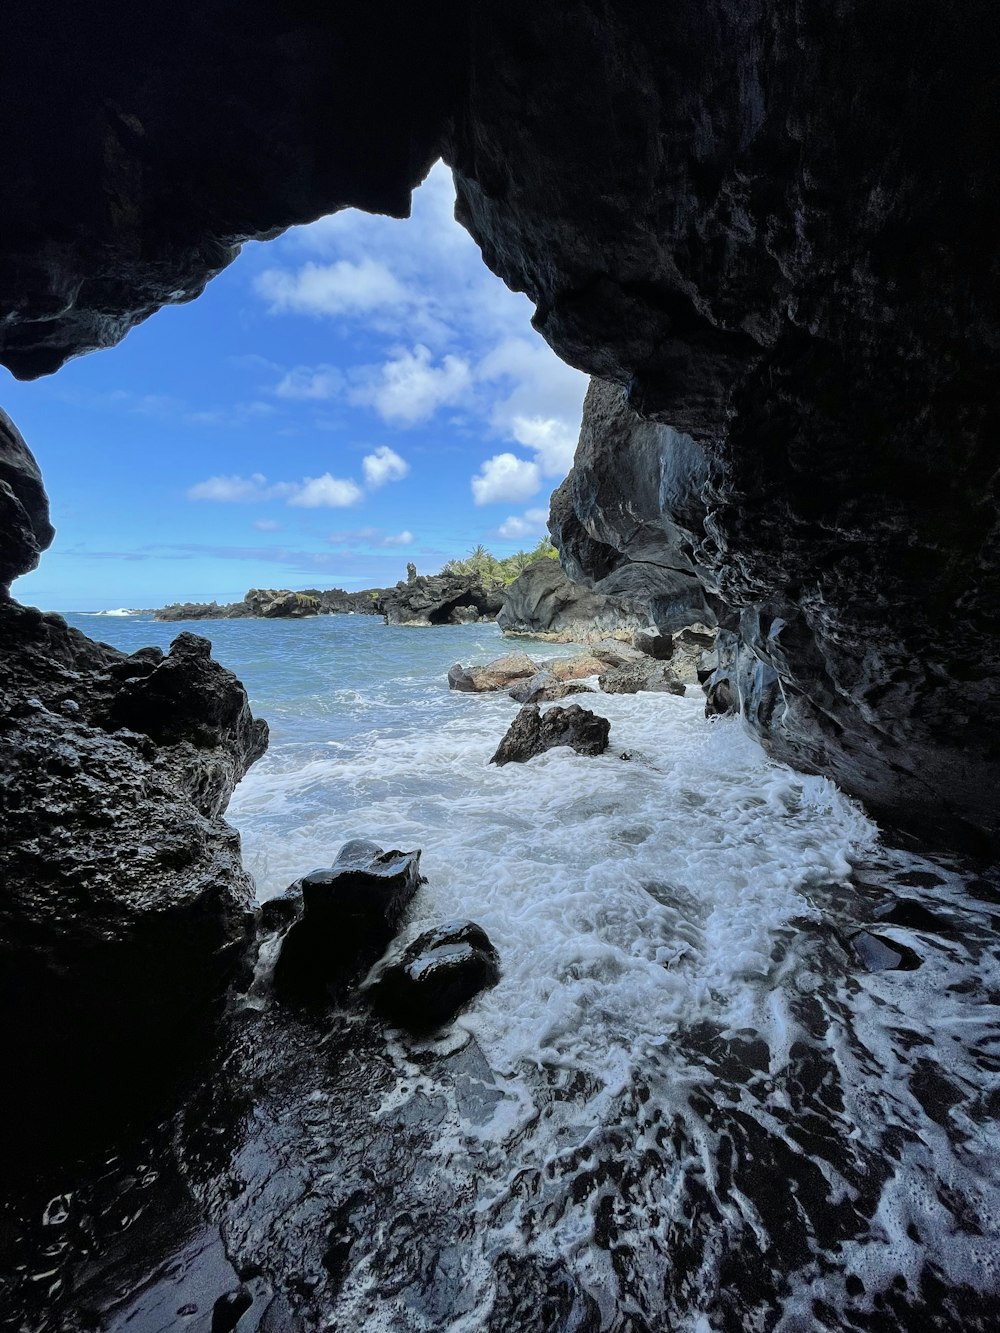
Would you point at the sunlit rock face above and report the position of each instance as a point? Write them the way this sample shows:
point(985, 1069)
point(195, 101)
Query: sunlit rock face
point(772, 226)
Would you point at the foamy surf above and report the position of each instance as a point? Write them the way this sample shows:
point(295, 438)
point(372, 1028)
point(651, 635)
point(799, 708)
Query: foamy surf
point(687, 1105)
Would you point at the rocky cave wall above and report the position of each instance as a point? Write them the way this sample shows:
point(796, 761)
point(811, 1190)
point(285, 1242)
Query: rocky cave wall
point(771, 226)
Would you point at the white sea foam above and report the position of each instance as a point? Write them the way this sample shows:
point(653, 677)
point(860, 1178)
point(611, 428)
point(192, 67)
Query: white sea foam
point(625, 895)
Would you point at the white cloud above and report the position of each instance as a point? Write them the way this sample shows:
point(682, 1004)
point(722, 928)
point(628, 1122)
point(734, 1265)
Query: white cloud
point(505, 477)
point(312, 493)
point(539, 400)
point(553, 441)
point(234, 490)
point(340, 288)
point(311, 382)
point(410, 388)
point(267, 525)
point(384, 465)
point(532, 523)
point(401, 539)
point(326, 492)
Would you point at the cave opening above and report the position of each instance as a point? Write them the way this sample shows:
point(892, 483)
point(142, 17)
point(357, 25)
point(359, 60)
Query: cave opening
point(701, 965)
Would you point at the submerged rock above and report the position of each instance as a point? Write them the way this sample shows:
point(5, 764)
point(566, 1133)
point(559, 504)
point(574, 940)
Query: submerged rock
point(880, 954)
point(437, 975)
point(349, 913)
point(908, 912)
point(533, 732)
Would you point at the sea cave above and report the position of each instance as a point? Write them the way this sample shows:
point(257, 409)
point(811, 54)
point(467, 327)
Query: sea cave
point(681, 1016)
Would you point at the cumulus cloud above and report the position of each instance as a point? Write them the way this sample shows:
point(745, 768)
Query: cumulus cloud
point(505, 477)
point(383, 465)
point(403, 538)
point(326, 492)
point(340, 288)
point(409, 387)
point(539, 402)
point(532, 523)
point(312, 493)
point(553, 441)
point(311, 382)
point(233, 490)
point(267, 525)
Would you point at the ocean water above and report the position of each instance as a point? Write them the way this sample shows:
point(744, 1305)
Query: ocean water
point(686, 1059)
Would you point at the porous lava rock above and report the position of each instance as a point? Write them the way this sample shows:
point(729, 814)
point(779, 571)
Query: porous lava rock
point(543, 602)
point(433, 599)
point(273, 604)
point(25, 530)
point(436, 977)
point(125, 908)
point(345, 917)
point(533, 732)
point(281, 604)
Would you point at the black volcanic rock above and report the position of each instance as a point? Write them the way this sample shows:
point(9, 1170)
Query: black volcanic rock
point(25, 530)
point(436, 976)
point(432, 599)
point(125, 908)
point(349, 914)
point(533, 732)
point(543, 601)
point(773, 229)
point(161, 156)
point(279, 604)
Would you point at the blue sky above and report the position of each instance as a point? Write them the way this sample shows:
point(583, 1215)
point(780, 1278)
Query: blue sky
point(356, 394)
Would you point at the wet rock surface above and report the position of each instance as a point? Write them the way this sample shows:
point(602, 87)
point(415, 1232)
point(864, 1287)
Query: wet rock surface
point(344, 918)
point(435, 599)
point(635, 676)
point(436, 976)
point(533, 732)
point(499, 674)
point(125, 909)
point(842, 1177)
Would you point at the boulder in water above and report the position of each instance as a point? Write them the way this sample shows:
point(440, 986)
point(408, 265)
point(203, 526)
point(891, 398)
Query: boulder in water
point(437, 975)
point(533, 732)
point(880, 954)
point(349, 914)
point(497, 675)
point(645, 674)
point(545, 686)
